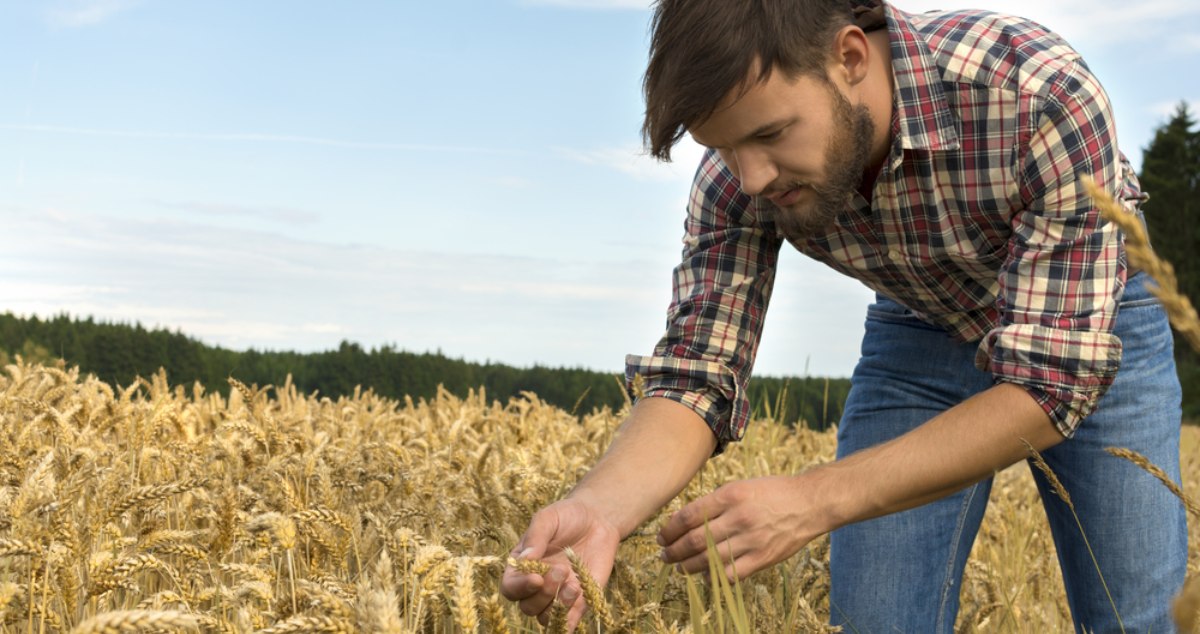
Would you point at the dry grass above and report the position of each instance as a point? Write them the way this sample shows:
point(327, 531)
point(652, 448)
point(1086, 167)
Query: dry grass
point(161, 507)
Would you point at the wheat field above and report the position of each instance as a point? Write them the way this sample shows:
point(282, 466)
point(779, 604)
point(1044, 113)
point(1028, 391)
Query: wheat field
point(161, 507)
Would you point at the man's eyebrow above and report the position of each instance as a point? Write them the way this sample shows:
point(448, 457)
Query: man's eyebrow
point(766, 127)
point(762, 129)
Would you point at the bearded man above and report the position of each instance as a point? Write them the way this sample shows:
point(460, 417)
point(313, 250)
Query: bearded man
point(939, 159)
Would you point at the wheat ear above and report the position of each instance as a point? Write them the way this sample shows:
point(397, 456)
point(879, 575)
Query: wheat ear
point(136, 621)
point(1153, 469)
point(592, 591)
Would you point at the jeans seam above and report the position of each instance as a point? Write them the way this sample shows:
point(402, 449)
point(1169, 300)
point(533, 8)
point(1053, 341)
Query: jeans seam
point(1137, 303)
point(948, 580)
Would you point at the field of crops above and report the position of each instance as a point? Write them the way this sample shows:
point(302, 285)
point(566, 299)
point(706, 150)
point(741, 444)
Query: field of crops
point(161, 507)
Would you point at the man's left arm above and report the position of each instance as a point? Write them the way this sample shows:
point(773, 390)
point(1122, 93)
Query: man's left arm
point(1065, 270)
point(760, 522)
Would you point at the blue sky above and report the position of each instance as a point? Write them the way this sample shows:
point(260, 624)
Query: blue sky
point(454, 175)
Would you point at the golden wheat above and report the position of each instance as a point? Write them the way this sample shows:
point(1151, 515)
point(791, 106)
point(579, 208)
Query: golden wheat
point(275, 511)
point(137, 621)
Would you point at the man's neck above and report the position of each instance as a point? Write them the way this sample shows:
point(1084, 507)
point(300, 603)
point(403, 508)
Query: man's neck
point(879, 98)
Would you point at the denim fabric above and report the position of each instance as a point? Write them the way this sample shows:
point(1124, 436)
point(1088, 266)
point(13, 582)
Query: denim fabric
point(903, 572)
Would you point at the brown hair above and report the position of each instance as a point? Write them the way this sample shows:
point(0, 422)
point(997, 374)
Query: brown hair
point(701, 50)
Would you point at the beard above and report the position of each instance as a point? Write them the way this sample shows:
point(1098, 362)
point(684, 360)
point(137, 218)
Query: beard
point(845, 164)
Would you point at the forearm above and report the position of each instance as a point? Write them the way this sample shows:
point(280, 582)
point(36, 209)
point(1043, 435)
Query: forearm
point(656, 452)
point(965, 444)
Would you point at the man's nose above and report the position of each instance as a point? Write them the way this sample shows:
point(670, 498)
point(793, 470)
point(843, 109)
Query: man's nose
point(756, 171)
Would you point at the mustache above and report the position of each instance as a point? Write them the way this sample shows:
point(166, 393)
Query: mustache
point(786, 187)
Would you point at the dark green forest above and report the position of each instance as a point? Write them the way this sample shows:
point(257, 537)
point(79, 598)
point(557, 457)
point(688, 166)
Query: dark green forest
point(1171, 175)
point(119, 353)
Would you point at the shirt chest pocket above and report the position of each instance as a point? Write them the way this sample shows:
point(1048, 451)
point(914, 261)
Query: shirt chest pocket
point(973, 242)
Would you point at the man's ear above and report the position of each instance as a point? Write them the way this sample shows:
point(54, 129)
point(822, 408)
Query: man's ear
point(851, 52)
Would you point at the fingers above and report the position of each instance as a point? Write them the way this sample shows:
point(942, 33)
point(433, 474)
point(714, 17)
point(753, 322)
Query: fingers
point(691, 517)
point(542, 527)
point(735, 557)
point(687, 535)
point(559, 586)
point(575, 615)
point(684, 536)
point(516, 585)
point(535, 592)
point(690, 552)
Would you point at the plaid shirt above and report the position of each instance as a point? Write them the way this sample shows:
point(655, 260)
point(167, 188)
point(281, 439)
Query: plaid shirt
point(978, 223)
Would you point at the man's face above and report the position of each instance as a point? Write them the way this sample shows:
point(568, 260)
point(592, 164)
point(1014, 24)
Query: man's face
point(798, 142)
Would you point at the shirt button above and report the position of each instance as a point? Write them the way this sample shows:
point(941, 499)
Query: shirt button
point(894, 255)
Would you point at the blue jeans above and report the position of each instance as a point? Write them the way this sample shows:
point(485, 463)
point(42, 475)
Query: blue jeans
point(903, 572)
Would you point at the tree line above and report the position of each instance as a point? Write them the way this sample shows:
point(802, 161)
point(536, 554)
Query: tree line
point(1171, 175)
point(119, 353)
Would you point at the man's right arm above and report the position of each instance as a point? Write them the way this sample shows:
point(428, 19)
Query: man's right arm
point(695, 395)
point(656, 452)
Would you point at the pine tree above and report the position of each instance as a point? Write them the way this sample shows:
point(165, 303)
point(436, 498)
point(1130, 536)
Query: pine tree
point(1171, 175)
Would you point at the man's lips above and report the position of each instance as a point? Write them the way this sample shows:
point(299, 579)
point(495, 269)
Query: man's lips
point(787, 198)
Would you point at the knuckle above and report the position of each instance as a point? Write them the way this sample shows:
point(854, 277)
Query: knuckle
point(539, 517)
point(732, 494)
point(686, 515)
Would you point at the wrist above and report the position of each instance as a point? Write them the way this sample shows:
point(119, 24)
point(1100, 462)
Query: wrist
point(619, 513)
point(825, 488)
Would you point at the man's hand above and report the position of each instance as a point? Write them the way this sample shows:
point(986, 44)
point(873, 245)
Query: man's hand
point(754, 524)
point(633, 480)
point(567, 523)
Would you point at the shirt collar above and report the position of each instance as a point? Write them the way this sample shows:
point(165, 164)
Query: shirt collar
point(924, 119)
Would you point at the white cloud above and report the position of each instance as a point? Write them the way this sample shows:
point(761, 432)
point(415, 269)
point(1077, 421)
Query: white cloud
point(256, 289)
point(81, 13)
point(635, 162)
point(243, 289)
point(1101, 23)
point(1165, 109)
point(1187, 43)
point(253, 137)
point(272, 214)
point(510, 182)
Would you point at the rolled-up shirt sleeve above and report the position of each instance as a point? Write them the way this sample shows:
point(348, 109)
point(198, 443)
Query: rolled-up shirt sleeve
point(1065, 271)
point(719, 299)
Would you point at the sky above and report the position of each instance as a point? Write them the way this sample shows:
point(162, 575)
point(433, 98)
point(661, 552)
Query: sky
point(463, 176)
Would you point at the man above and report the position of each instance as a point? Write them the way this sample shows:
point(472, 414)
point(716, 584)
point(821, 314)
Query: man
point(938, 159)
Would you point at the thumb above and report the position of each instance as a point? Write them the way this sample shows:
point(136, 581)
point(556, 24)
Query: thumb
point(536, 540)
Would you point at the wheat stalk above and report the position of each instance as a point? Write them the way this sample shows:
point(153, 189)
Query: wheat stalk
point(1144, 463)
point(1061, 492)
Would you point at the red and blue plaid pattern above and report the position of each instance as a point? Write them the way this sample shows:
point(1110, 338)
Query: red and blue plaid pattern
point(978, 223)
